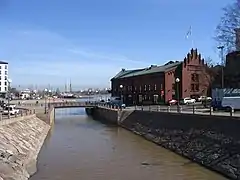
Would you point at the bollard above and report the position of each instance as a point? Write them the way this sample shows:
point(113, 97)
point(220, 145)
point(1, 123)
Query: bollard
point(211, 110)
point(15, 114)
point(193, 108)
point(142, 107)
point(168, 109)
point(0, 116)
point(231, 111)
point(179, 109)
point(9, 116)
point(158, 108)
point(34, 111)
point(135, 107)
point(149, 108)
point(21, 113)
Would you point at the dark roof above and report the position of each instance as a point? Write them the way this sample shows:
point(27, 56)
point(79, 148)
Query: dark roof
point(124, 72)
point(149, 70)
point(2, 62)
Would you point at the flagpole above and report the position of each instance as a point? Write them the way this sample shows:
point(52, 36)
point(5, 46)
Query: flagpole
point(189, 35)
point(192, 44)
point(192, 38)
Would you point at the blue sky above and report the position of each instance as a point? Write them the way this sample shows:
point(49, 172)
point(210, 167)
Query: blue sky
point(89, 41)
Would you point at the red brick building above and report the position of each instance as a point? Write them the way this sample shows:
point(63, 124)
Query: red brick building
point(157, 84)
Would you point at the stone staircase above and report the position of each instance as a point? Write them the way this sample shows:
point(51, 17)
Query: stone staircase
point(122, 115)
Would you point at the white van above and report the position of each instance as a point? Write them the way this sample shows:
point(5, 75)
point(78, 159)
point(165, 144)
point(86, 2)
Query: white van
point(231, 102)
point(11, 109)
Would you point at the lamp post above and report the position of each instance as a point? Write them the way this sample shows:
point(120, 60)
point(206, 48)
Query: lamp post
point(49, 100)
point(45, 96)
point(89, 94)
point(177, 80)
point(223, 64)
point(121, 87)
point(8, 94)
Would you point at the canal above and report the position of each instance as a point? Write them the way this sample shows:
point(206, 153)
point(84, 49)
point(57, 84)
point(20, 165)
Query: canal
point(79, 147)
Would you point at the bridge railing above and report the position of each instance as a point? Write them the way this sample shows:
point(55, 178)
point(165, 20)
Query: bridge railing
point(56, 104)
point(63, 104)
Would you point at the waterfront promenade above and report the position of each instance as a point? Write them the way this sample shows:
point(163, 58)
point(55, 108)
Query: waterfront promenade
point(187, 109)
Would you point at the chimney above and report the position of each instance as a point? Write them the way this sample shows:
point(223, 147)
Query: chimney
point(237, 39)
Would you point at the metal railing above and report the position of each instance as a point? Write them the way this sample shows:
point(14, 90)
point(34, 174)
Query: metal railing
point(187, 109)
point(56, 104)
point(190, 109)
point(25, 112)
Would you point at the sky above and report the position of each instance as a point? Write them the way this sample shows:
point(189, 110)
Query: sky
point(89, 41)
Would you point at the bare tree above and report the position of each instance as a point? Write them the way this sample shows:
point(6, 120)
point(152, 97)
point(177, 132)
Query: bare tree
point(209, 75)
point(230, 21)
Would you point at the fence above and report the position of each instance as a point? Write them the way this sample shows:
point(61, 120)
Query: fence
point(22, 113)
point(186, 109)
point(190, 109)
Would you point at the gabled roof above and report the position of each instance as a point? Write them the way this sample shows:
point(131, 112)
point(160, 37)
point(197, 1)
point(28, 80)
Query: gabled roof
point(149, 70)
point(124, 72)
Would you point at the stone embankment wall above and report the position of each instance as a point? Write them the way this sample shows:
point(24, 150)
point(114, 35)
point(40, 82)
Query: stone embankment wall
point(105, 114)
point(21, 141)
point(51, 115)
point(212, 141)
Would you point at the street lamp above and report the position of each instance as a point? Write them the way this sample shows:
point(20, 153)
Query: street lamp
point(89, 94)
point(8, 93)
point(121, 96)
point(45, 93)
point(177, 80)
point(49, 100)
point(222, 59)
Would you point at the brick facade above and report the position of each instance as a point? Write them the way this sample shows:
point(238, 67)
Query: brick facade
point(195, 80)
point(159, 86)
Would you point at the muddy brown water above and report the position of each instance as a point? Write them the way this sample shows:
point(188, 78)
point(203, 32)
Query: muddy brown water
point(80, 148)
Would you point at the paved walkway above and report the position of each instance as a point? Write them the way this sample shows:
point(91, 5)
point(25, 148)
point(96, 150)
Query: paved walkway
point(185, 110)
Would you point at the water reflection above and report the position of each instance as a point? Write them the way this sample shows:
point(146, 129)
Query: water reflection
point(81, 148)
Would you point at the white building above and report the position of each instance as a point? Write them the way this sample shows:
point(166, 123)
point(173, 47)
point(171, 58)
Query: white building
point(3, 77)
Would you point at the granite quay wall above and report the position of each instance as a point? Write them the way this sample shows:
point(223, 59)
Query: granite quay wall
point(211, 141)
point(104, 114)
point(21, 141)
point(51, 115)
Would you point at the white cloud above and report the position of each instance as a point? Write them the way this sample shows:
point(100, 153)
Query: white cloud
point(108, 57)
point(45, 56)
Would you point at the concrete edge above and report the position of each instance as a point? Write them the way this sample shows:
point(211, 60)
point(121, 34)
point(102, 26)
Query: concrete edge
point(15, 119)
point(30, 163)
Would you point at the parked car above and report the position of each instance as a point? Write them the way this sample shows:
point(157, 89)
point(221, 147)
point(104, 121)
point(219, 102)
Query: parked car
point(116, 101)
point(11, 109)
point(204, 98)
point(189, 100)
point(172, 102)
